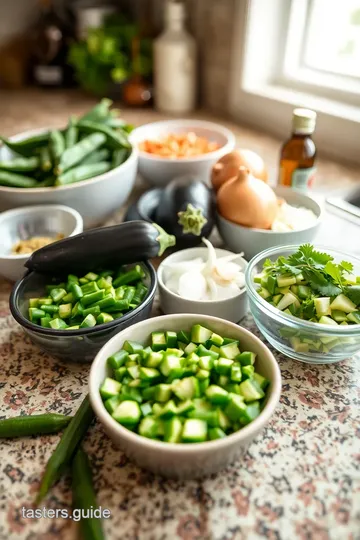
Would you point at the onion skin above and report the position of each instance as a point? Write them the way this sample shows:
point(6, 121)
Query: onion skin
point(247, 201)
point(228, 166)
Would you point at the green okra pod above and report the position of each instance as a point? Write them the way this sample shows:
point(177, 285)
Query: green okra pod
point(36, 424)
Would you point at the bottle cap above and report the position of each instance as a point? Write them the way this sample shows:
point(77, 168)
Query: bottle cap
point(174, 10)
point(303, 121)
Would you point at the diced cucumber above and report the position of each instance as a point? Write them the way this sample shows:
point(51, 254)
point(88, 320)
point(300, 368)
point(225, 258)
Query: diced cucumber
point(59, 324)
point(185, 407)
point(248, 372)
point(251, 412)
point(131, 394)
point(343, 303)
point(338, 316)
point(322, 306)
point(235, 407)
point(294, 289)
point(112, 403)
point(162, 392)
point(169, 410)
point(288, 299)
point(217, 395)
point(304, 292)
point(286, 280)
point(119, 373)
point(206, 362)
point(235, 374)
point(216, 339)
point(223, 366)
point(158, 341)
point(194, 431)
point(264, 293)
point(172, 430)
point(262, 381)
point(354, 317)
point(117, 359)
point(187, 388)
point(171, 339)
point(215, 350)
point(132, 347)
point(216, 433)
point(277, 298)
point(230, 351)
point(154, 359)
point(134, 372)
point(157, 409)
point(327, 320)
point(127, 413)
point(171, 366)
point(191, 347)
point(298, 345)
point(250, 390)
point(146, 409)
point(148, 427)
point(225, 423)
point(149, 374)
point(176, 352)
point(200, 334)
point(246, 358)
point(109, 388)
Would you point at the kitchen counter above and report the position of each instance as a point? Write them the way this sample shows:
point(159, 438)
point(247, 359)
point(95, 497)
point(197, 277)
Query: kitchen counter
point(299, 480)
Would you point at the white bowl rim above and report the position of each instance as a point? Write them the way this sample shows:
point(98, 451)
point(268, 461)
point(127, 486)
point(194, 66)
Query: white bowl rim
point(161, 282)
point(53, 189)
point(289, 189)
point(175, 448)
point(26, 210)
point(187, 122)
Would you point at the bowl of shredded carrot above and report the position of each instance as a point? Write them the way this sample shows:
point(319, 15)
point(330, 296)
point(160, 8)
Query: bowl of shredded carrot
point(178, 147)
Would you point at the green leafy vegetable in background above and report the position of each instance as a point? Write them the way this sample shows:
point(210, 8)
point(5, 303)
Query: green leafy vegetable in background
point(105, 56)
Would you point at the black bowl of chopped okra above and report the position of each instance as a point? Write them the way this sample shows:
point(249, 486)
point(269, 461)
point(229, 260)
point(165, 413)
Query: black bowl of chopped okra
point(72, 316)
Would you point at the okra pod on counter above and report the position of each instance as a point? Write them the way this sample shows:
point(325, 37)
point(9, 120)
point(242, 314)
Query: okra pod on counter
point(36, 424)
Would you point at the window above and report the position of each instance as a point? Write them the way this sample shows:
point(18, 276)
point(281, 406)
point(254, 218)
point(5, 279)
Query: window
point(306, 53)
point(323, 48)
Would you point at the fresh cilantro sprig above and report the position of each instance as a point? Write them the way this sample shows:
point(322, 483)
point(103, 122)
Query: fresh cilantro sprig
point(319, 269)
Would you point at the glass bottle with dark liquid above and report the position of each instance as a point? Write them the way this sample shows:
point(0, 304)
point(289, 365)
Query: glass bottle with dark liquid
point(51, 38)
point(297, 157)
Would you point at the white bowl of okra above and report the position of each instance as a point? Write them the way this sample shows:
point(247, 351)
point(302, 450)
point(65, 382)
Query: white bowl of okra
point(184, 395)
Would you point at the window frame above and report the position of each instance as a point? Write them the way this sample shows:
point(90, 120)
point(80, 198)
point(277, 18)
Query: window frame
point(262, 98)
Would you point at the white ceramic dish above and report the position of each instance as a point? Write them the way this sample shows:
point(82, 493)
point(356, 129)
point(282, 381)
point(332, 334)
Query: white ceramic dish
point(253, 241)
point(96, 199)
point(26, 222)
point(231, 309)
point(185, 460)
point(160, 171)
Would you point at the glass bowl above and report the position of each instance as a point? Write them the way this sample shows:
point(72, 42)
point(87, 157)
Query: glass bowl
point(299, 339)
point(74, 345)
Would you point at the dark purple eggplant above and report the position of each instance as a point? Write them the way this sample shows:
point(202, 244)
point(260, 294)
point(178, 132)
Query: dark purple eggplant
point(187, 210)
point(107, 246)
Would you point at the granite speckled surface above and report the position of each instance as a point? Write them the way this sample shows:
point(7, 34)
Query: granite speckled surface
point(299, 480)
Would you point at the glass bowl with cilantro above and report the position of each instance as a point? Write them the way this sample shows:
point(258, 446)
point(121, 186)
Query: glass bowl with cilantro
point(306, 301)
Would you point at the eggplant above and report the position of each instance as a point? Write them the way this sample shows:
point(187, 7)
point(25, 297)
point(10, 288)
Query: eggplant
point(187, 210)
point(107, 246)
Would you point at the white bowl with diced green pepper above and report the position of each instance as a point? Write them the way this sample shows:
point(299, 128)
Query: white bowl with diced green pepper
point(306, 301)
point(184, 395)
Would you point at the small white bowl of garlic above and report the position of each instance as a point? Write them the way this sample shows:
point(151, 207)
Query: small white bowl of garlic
point(205, 280)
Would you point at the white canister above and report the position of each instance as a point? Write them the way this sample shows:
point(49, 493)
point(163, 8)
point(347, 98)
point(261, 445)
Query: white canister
point(175, 74)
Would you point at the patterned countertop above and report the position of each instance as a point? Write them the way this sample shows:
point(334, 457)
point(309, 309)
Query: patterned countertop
point(299, 480)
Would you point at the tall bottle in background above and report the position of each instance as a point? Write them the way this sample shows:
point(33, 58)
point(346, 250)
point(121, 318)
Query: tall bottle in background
point(51, 37)
point(175, 64)
point(297, 157)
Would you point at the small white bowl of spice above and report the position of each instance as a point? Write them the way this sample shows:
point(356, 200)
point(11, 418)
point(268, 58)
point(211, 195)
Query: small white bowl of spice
point(204, 280)
point(26, 229)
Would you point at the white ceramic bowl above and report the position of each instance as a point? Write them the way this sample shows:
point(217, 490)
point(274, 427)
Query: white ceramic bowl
point(160, 171)
point(185, 460)
point(253, 241)
point(26, 222)
point(231, 309)
point(96, 199)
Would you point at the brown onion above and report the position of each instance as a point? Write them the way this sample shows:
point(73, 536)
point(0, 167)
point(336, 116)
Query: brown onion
point(227, 167)
point(248, 201)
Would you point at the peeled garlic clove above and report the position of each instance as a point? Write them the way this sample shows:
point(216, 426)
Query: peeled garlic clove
point(192, 285)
